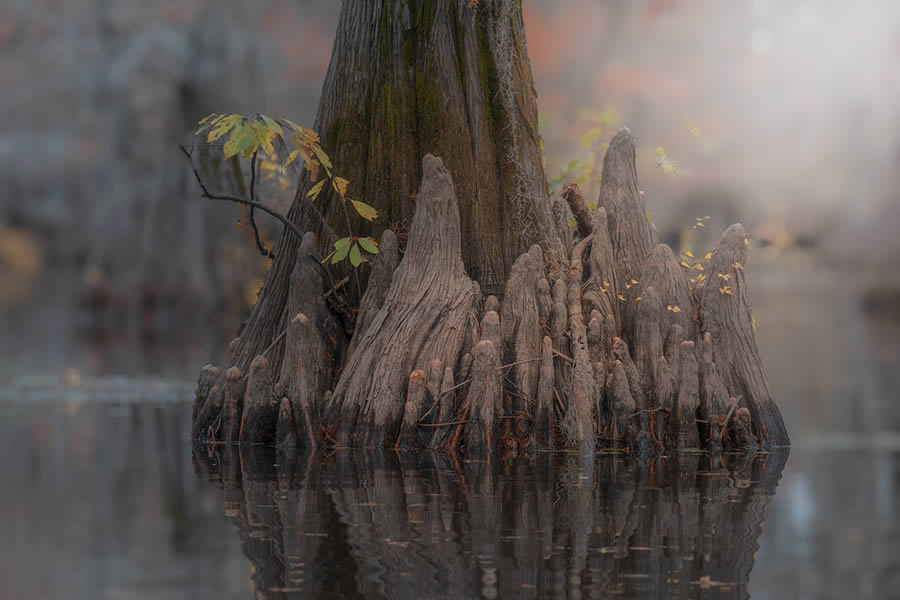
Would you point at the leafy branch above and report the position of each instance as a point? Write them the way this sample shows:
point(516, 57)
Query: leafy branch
point(255, 138)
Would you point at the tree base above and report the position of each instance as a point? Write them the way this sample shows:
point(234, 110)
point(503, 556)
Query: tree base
point(606, 345)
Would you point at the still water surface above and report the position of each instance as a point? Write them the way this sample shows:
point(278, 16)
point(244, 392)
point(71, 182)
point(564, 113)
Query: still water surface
point(102, 494)
point(108, 499)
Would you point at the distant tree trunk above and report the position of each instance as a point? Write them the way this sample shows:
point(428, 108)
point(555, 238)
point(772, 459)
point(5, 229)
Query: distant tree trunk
point(488, 270)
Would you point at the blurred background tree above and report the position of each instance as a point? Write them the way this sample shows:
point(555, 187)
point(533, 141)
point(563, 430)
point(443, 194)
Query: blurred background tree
point(782, 115)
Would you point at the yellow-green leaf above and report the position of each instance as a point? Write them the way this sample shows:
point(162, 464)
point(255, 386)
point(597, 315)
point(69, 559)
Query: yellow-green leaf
point(691, 127)
point(314, 192)
point(222, 126)
point(366, 211)
point(355, 257)
point(369, 245)
point(341, 253)
point(323, 158)
point(273, 125)
point(342, 243)
point(240, 139)
point(291, 157)
point(340, 185)
point(207, 122)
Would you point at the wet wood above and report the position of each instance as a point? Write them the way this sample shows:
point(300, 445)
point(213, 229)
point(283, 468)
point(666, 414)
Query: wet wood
point(622, 406)
point(545, 415)
point(580, 429)
point(424, 317)
point(688, 399)
point(208, 377)
point(412, 410)
point(234, 405)
point(495, 264)
point(484, 402)
point(521, 327)
point(725, 314)
point(260, 418)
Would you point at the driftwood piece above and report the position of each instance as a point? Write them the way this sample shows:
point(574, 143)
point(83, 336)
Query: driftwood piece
point(425, 316)
point(521, 327)
point(380, 278)
point(629, 229)
point(234, 405)
point(260, 419)
point(483, 401)
point(545, 415)
point(685, 418)
point(572, 195)
point(725, 314)
point(601, 288)
point(580, 422)
point(412, 410)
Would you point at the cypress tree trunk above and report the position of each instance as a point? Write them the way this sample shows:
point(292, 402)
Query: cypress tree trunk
point(490, 278)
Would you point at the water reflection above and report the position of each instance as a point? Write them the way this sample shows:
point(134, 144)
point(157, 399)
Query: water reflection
point(428, 526)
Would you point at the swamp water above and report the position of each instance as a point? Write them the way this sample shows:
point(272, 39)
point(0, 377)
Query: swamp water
point(102, 494)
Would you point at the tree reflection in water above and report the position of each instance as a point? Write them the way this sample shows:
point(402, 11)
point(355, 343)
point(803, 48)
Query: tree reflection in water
point(414, 525)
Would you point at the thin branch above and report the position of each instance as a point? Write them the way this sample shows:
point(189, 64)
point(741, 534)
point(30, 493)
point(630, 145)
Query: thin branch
point(237, 200)
point(259, 245)
point(337, 286)
point(442, 424)
point(277, 339)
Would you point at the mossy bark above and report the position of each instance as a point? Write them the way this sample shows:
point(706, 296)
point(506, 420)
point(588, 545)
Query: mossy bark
point(486, 263)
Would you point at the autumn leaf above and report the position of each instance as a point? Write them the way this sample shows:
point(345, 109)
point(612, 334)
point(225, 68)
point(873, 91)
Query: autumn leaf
point(273, 125)
point(726, 290)
point(314, 192)
point(340, 185)
point(366, 211)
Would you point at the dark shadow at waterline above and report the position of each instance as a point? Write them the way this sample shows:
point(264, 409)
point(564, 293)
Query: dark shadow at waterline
point(420, 525)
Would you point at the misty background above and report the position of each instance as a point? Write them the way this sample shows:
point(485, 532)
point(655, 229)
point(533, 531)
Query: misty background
point(784, 116)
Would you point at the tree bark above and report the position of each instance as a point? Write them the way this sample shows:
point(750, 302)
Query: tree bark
point(429, 363)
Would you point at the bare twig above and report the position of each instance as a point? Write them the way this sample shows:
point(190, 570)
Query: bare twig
point(442, 424)
point(238, 200)
point(259, 245)
point(337, 286)
point(277, 339)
